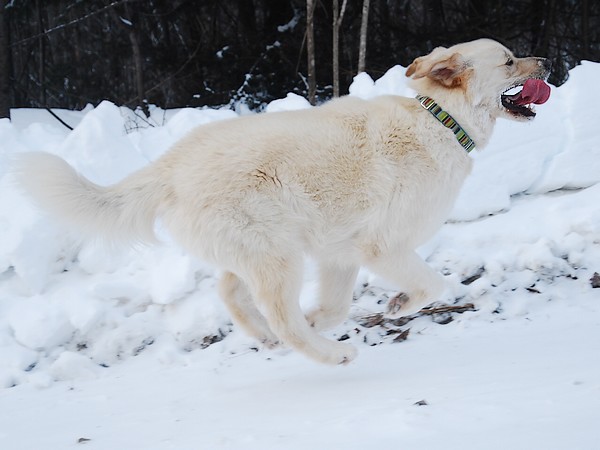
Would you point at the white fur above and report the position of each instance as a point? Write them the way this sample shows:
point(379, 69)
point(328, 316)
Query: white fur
point(350, 183)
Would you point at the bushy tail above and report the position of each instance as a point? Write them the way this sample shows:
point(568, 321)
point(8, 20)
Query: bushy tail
point(123, 212)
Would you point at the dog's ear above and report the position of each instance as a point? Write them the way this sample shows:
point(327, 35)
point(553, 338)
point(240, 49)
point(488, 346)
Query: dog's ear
point(439, 66)
point(422, 65)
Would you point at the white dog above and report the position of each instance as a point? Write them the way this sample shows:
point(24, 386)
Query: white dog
point(353, 182)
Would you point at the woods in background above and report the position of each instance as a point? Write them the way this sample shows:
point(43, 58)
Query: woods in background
point(173, 53)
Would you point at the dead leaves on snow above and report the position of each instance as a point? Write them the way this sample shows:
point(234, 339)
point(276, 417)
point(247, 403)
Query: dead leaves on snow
point(393, 328)
point(595, 280)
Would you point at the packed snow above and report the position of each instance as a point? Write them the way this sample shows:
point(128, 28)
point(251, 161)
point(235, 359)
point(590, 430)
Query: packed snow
point(131, 347)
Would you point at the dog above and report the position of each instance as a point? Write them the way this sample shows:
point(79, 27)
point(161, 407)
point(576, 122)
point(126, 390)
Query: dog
point(349, 183)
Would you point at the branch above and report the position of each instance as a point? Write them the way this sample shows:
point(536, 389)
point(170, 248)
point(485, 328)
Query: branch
point(59, 119)
point(341, 15)
point(447, 308)
point(72, 22)
point(173, 75)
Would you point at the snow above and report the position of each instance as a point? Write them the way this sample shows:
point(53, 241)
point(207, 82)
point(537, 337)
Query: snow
point(290, 103)
point(291, 24)
point(131, 347)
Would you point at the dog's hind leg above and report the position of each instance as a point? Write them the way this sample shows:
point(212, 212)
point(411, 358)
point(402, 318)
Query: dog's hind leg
point(238, 300)
point(335, 296)
point(422, 284)
point(276, 284)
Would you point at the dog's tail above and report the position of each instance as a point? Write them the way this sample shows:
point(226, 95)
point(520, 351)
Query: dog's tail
point(120, 213)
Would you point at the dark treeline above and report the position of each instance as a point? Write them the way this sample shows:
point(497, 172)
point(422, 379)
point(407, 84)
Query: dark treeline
point(67, 53)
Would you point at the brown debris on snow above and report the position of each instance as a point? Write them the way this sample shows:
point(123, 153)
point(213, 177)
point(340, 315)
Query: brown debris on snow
point(402, 336)
point(448, 308)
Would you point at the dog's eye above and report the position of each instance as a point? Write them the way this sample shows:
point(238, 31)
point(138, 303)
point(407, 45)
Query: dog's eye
point(509, 62)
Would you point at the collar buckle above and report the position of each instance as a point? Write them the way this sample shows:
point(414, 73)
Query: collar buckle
point(426, 102)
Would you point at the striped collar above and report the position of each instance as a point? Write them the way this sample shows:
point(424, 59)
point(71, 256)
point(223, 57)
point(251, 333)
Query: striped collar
point(448, 121)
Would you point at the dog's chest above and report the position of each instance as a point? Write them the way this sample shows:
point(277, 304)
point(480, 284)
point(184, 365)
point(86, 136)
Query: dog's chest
point(422, 195)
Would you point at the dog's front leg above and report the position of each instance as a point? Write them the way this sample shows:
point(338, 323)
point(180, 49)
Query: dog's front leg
point(336, 284)
point(421, 283)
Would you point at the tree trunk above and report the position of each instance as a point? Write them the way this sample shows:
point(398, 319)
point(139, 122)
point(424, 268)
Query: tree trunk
point(310, 51)
point(42, 55)
point(585, 30)
point(247, 18)
point(338, 16)
point(4, 64)
point(362, 49)
point(139, 69)
point(128, 24)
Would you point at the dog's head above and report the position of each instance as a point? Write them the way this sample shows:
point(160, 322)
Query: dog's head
point(487, 75)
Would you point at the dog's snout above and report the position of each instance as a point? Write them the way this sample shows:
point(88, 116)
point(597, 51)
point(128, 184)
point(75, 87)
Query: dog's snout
point(545, 64)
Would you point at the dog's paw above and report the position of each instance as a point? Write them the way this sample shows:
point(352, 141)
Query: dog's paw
point(347, 360)
point(322, 320)
point(270, 343)
point(346, 356)
point(265, 337)
point(403, 305)
point(395, 304)
point(337, 354)
point(316, 319)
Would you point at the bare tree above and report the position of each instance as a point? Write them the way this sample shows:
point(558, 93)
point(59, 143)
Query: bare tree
point(128, 23)
point(4, 63)
point(338, 16)
point(585, 29)
point(310, 50)
point(362, 48)
point(213, 52)
point(41, 54)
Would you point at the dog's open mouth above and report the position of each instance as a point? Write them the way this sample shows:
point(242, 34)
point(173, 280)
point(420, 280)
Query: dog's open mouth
point(533, 91)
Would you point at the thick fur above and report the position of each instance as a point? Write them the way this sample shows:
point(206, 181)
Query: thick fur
point(353, 182)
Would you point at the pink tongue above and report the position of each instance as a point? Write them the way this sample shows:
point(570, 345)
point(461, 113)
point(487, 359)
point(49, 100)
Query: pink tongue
point(534, 91)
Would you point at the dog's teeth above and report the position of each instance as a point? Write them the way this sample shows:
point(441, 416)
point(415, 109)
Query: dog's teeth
point(513, 91)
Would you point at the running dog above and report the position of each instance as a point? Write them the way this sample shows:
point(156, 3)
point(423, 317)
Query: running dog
point(350, 183)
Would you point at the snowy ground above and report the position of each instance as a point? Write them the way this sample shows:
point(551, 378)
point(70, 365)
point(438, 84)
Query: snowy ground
point(131, 348)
